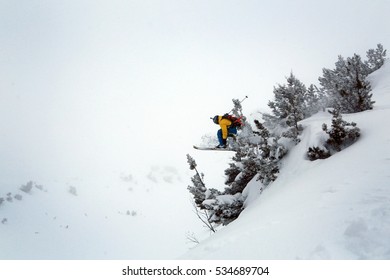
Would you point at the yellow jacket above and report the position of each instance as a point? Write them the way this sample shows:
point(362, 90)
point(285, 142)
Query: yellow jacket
point(224, 124)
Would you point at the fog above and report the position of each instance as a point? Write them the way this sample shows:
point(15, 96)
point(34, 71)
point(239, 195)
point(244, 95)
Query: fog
point(92, 88)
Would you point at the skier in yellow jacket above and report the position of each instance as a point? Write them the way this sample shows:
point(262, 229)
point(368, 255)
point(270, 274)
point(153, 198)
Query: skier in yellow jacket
point(227, 129)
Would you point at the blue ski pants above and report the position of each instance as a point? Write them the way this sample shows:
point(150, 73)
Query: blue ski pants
point(231, 130)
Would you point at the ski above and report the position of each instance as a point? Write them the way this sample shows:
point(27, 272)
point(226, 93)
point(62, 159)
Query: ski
point(213, 149)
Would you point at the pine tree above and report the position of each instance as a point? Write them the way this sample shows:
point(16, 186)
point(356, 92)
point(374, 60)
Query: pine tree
point(314, 101)
point(346, 86)
point(201, 193)
point(270, 154)
point(198, 189)
point(289, 104)
point(260, 157)
point(212, 206)
point(342, 133)
point(245, 169)
point(315, 153)
point(237, 109)
point(246, 129)
point(376, 58)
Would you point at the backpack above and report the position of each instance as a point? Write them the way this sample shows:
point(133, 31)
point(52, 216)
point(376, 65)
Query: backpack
point(236, 122)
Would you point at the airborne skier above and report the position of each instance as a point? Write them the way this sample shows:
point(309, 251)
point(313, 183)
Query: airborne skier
point(228, 126)
point(229, 123)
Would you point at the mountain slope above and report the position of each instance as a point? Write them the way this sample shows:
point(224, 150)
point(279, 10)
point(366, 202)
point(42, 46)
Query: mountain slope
point(124, 217)
point(338, 208)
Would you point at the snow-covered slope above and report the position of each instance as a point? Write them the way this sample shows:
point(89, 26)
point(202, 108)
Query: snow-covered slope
point(126, 217)
point(338, 208)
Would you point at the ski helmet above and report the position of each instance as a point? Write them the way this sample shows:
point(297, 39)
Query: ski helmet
point(215, 120)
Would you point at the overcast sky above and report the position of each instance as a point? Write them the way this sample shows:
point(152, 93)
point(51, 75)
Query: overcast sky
point(93, 83)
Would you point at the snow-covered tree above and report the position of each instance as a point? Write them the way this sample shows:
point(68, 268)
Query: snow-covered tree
point(270, 154)
point(375, 58)
point(315, 153)
point(289, 101)
point(315, 101)
point(342, 133)
point(260, 157)
point(198, 189)
point(289, 104)
point(346, 86)
point(212, 206)
point(245, 129)
point(237, 109)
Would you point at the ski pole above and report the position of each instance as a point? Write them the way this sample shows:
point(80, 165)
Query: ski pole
point(246, 96)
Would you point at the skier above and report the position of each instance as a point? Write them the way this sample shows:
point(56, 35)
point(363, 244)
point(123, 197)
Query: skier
point(228, 126)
